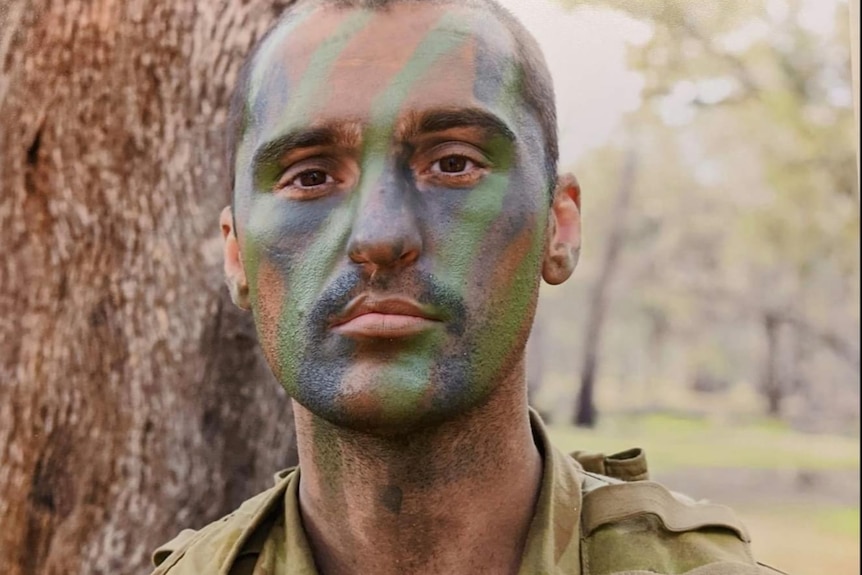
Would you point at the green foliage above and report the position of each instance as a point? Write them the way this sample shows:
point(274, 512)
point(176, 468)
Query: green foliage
point(747, 204)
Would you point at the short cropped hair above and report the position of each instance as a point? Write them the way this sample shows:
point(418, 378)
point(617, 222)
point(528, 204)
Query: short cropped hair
point(538, 88)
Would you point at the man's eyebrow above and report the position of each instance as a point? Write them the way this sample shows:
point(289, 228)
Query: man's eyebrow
point(276, 148)
point(438, 121)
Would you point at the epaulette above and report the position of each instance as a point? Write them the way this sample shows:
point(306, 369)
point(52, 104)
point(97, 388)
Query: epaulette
point(635, 526)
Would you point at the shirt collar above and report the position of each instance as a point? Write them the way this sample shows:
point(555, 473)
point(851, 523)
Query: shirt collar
point(553, 542)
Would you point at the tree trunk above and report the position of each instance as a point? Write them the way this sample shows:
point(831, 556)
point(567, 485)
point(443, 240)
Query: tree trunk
point(585, 409)
point(659, 329)
point(133, 402)
point(773, 386)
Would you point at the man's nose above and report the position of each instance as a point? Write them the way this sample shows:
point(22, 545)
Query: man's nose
point(385, 233)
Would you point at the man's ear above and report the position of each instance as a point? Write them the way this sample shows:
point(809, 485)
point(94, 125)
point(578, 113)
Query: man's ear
point(564, 231)
point(233, 270)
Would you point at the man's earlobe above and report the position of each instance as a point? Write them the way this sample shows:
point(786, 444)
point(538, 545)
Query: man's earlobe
point(564, 232)
point(234, 273)
point(239, 293)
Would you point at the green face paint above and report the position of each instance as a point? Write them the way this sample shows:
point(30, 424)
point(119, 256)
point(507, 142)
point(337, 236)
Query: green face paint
point(391, 179)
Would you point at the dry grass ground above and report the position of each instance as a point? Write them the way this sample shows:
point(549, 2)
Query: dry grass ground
point(806, 540)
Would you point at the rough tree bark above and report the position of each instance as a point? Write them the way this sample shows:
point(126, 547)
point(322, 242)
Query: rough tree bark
point(585, 408)
point(132, 399)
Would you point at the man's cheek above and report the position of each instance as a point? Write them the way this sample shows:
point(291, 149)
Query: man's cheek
point(274, 244)
point(503, 279)
point(460, 241)
point(278, 231)
point(268, 304)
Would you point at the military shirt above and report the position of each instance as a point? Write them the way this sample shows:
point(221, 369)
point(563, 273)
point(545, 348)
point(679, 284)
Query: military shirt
point(585, 523)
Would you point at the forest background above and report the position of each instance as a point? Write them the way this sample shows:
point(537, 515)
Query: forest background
point(713, 320)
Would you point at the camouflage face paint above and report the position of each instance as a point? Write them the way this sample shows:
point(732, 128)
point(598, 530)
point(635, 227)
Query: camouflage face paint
point(389, 155)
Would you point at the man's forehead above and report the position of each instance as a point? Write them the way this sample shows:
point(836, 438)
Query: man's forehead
point(324, 52)
point(315, 25)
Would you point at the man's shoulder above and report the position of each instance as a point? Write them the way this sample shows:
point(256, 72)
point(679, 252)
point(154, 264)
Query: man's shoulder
point(632, 524)
point(225, 540)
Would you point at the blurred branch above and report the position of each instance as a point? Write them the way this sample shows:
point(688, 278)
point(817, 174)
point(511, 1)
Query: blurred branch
point(743, 74)
point(834, 342)
point(830, 340)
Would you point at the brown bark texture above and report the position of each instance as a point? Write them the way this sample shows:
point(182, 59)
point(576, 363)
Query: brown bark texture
point(133, 400)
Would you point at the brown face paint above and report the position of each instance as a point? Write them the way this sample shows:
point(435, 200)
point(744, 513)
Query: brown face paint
point(477, 236)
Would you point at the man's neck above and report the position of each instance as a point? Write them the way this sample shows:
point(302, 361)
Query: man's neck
point(455, 499)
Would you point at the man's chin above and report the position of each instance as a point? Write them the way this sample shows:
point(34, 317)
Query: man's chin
point(390, 412)
point(389, 391)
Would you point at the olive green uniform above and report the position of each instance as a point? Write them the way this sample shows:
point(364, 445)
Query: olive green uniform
point(595, 516)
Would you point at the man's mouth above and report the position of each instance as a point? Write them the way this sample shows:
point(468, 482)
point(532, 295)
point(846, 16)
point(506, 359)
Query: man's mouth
point(370, 316)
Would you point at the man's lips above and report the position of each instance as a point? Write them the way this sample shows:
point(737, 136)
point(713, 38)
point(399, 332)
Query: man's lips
point(374, 317)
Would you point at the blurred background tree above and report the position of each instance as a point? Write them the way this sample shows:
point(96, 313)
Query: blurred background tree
point(714, 317)
point(735, 262)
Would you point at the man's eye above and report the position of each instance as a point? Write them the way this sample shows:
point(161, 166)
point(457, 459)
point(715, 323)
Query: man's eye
point(455, 170)
point(311, 179)
point(453, 165)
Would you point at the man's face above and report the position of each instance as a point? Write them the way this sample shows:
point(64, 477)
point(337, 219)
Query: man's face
point(391, 211)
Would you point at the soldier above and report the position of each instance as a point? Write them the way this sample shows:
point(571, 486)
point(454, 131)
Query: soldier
point(396, 202)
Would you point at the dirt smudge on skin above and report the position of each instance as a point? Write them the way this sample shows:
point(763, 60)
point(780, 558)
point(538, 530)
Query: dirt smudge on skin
point(391, 497)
